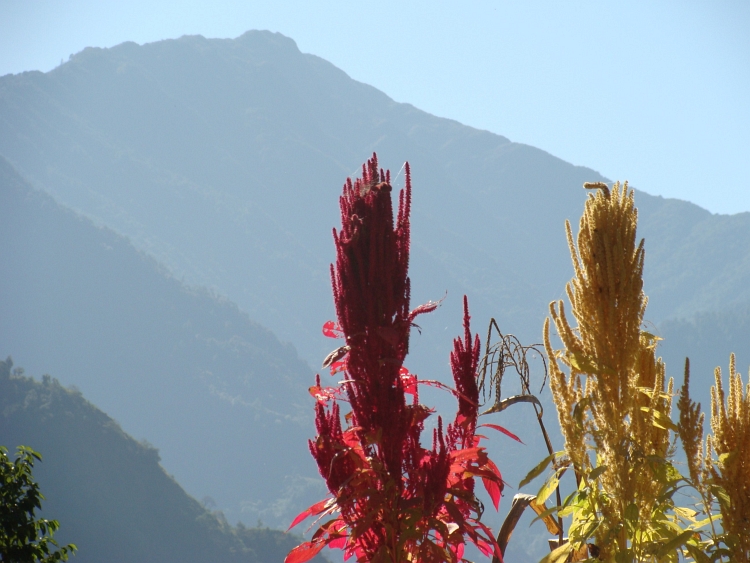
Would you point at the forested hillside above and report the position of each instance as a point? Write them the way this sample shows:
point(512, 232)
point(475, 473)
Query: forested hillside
point(109, 493)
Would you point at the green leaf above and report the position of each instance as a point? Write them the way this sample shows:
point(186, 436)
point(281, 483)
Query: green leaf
point(625, 556)
point(726, 458)
point(587, 364)
point(594, 473)
point(721, 495)
point(652, 339)
point(631, 512)
point(660, 420)
point(558, 555)
point(542, 515)
point(549, 486)
point(568, 506)
point(582, 363)
point(585, 529)
point(568, 510)
point(675, 543)
point(649, 392)
point(705, 522)
point(534, 473)
point(632, 518)
point(698, 554)
point(686, 513)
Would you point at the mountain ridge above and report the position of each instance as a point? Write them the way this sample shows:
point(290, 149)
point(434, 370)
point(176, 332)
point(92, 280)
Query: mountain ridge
point(394, 125)
point(223, 160)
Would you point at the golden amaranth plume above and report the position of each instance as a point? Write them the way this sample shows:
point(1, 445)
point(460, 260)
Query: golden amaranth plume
point(730, 440)
point(612, 404)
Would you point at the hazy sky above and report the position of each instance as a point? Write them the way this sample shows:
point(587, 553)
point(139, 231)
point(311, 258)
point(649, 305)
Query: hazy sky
point(654, 92)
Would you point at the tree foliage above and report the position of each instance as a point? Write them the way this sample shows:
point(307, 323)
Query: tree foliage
point(23, 537)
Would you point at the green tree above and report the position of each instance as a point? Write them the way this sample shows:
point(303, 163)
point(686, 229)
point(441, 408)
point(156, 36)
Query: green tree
point(23, 538)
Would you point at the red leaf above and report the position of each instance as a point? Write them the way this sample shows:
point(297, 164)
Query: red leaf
point(304, 552)
point(391, 335)
point(468, 453)
point(323, 394)
point(439, 385)
point(484, 547)
point(425, 308)
point(493, 489)
point(353, 550)
point(491, 538)
point(351, 438)
point(332, 330)
point(481, 472)
point(336, 367)
point(409, 380)
point(504, 431)
point(314, 509)
point(338, 543)
point(492, 467)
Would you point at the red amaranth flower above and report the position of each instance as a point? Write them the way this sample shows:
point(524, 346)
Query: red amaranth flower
point(464, 363)
point(396, 500)
point(371, 293)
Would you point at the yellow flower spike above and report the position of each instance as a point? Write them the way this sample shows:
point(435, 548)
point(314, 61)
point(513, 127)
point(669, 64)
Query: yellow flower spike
point(729, 442)
point(605, 419)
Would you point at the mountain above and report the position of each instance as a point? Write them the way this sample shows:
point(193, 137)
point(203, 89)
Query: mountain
point(109, 493)
point(707, 339)
point(224, 401)
point(222, 398)
point(224, 159)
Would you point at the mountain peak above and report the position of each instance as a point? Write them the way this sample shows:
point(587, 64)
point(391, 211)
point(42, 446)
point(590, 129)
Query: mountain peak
point(261, 39)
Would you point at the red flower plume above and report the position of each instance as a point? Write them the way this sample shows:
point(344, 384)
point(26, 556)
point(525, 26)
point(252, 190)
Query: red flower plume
point(395, 499)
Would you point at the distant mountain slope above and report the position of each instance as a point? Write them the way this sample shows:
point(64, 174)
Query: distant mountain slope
point(707, 339)
point(695, 261)
point(221, 397)
point(224, 159)
point(107, 490)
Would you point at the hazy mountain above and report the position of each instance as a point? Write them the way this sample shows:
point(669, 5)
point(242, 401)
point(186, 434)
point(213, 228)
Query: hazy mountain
point(216, 393)
point(225, 401)
point(707, 339)
point(223, 160)
point(109, 493)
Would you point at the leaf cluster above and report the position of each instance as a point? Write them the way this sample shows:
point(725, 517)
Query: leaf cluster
point(23, 537)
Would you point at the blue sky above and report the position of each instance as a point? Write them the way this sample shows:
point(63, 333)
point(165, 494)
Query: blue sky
point(657, 93)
